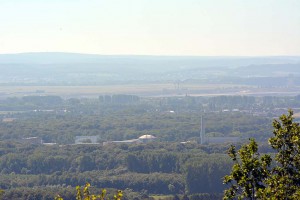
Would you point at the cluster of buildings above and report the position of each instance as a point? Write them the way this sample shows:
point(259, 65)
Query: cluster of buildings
point(140, 140)
point(90, 140)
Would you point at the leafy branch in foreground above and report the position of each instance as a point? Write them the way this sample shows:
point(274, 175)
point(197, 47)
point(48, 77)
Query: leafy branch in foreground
point(248, 172)
point(84, 194)
point(251, 177)
point(284, 181)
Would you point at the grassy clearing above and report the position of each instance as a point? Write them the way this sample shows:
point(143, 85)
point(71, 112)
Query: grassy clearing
point(152, 89)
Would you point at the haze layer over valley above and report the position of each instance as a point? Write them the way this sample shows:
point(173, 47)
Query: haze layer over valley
point(92, 74)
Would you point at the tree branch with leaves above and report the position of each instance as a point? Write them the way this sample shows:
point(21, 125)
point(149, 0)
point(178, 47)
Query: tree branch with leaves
point(251, 176)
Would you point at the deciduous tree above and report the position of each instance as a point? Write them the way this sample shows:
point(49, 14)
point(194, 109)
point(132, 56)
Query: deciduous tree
point(248, 173)
point(251, 177)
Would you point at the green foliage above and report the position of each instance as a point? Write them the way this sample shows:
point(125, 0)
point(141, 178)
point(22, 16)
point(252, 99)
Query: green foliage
point(160, 168)
point(61, 122)
point(1, 193)
point(251, 176)
point(248, 173)
point(184, 166)
point(83, 193)
point(283, 182)
point(58, 197)
point(203, 174)
point(203, 196)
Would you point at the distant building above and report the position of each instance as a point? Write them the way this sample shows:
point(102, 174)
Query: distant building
point(119, 99)
point(133, 141)
point(32, 140)
point(8, 120)
point(49, 144)
point(146, 138)
point(86, 139)
point(189, 142)
point(142, 139)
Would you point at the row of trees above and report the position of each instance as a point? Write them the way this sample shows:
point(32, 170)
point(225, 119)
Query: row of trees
point(180, 104)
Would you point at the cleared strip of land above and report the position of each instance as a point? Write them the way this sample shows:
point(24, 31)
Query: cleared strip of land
point(155, 90)
point(139, 89)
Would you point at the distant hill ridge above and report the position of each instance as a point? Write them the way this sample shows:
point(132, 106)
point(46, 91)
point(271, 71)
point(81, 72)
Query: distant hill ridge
point(203, 61)
point(75, 68)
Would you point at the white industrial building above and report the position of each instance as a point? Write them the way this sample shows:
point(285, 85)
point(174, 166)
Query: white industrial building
point(141, 139)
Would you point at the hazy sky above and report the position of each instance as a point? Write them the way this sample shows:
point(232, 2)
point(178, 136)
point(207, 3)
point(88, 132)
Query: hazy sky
point(156, 27)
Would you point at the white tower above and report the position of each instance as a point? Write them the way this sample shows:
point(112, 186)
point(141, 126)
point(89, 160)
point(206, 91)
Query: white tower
point(202, 132)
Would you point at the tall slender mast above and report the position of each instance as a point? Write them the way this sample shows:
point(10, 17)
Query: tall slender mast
point(201, 131)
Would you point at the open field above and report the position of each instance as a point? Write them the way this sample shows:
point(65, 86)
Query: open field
point(159, 89)
point(154, 90)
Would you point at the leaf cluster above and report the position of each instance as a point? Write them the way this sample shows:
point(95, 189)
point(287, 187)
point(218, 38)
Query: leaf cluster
point(83, 193)
point(259, 177)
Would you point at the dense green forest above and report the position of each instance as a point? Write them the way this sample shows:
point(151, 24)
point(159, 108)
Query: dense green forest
point(158, 168)
point(171, 119)
point(168, 166)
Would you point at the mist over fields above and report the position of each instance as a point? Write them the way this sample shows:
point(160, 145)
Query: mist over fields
point(89, 69)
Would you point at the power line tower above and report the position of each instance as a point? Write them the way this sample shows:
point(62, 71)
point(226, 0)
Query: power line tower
point(202, 131)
